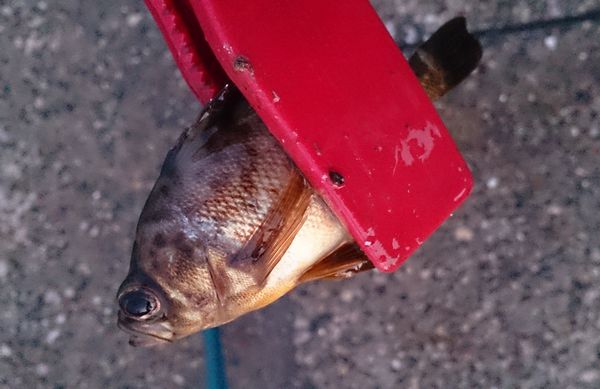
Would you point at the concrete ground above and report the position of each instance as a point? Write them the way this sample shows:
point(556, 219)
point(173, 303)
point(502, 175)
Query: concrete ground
point(506, 294)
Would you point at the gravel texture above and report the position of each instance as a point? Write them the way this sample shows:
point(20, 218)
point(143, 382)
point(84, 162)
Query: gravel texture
point(506, 294)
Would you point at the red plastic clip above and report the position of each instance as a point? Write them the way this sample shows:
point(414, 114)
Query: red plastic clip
point(332, 86)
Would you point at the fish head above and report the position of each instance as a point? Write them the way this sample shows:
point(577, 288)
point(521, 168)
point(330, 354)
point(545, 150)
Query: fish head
point(169, 291)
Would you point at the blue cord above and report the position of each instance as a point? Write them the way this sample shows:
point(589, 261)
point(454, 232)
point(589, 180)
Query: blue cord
point(214, 362)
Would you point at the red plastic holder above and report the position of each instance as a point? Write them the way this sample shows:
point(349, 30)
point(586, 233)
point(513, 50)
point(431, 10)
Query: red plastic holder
point(332, 86)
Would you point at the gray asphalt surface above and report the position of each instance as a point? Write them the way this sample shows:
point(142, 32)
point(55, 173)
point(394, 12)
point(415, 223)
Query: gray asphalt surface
point(506, 294)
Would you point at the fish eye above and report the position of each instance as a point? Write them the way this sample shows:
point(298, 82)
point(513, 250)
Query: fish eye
point(138, 304)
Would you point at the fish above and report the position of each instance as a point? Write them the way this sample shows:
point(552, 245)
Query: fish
point(231, 225)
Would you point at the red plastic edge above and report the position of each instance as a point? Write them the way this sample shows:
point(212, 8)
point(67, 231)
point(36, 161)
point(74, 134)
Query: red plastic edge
point(196, 61)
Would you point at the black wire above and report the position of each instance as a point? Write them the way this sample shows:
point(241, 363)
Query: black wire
point(563, 22)
point(496, 32)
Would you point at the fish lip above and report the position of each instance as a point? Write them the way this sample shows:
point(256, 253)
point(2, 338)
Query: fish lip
point(139, 331)
point(145, 341)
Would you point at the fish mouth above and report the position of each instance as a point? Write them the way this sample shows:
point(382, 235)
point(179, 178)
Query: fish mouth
point(146, 334)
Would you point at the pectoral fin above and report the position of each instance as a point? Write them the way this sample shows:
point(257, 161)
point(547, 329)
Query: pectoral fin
point(446, 59)
point(344, 262)
point(272, 239)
